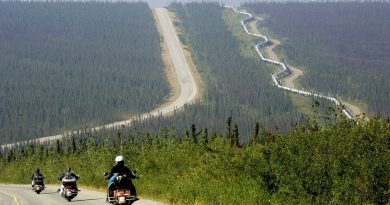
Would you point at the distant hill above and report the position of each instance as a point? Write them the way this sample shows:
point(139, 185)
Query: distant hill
point(237, 84)
point(344, 47)
point(67, 66)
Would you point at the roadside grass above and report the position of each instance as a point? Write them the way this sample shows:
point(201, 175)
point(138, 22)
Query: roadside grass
point(170, 171)
point(269, 170)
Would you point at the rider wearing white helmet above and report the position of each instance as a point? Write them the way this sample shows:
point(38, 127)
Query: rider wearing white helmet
point(120, 168)
point(119, 159)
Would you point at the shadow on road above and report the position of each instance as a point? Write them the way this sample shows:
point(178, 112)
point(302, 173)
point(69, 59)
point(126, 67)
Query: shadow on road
point(94, 199)
point(54, 192)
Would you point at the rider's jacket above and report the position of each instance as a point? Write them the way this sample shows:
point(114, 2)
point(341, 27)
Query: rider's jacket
point(68, 174)
point(37, 175)
point(121, 168)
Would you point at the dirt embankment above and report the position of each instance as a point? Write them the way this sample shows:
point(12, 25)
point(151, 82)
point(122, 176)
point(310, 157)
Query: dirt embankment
point(291, 80)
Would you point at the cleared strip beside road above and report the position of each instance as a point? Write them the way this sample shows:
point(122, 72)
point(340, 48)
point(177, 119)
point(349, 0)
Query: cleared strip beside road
point(187, 83)
point(23, 195)
point(276, 76)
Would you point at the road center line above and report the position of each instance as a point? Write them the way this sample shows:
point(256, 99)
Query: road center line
point(13, 196)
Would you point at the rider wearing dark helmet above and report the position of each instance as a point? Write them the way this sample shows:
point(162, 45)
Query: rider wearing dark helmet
point(37, 176)
point(120, 168)
point(68, 173)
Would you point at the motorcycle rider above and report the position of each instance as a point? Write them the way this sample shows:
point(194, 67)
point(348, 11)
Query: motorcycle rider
point(120, 168)
point(68, 173)
point(37, 175)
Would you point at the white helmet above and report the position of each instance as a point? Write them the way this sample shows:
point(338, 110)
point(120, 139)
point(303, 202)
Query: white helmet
point(119, 159)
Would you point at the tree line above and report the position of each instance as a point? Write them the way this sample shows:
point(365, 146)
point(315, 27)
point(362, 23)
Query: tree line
point(342, 163)
point(71, 65)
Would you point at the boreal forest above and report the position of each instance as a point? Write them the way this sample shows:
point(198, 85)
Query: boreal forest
point(343, 47)
point(67, 66)
point(76, 65)
point(238, 85)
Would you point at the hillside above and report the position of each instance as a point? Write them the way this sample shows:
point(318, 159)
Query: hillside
point(67, 66)
point(343, 163)
point(244, 142)
point(210, 34)
point(346, 43)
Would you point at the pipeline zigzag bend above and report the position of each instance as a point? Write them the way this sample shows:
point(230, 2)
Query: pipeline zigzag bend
point(285, 70)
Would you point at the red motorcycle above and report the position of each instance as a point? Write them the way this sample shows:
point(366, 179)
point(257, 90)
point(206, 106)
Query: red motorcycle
point(122, 193)
point(69, 189)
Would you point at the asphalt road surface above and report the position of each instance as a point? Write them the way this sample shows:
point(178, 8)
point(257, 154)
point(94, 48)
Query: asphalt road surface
point(23, 195)
point(188, 89)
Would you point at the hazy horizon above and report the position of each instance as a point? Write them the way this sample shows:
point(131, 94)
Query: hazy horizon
point(163, 3)
point(158, 3)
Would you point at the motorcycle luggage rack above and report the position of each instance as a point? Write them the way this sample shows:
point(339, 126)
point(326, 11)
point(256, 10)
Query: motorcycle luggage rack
point(131, 198)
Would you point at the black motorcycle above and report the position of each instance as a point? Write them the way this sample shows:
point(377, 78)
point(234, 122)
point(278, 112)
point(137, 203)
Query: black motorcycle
point(38, 184)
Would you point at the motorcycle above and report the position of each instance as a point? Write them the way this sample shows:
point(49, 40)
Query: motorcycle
point(69, 189)
point(38, 184)
point(122, 194)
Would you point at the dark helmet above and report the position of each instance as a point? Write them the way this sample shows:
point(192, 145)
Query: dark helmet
point(68, 169)
point(37, 170)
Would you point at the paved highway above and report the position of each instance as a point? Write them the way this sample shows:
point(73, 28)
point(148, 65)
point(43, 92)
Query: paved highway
point(23, 195)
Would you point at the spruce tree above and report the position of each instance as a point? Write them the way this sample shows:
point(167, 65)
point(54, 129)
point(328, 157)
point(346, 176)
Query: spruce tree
point(205, 137)
point(187, 136)
point(235, 140)
point(229, 128)
point(255, 138)
point(193, 134)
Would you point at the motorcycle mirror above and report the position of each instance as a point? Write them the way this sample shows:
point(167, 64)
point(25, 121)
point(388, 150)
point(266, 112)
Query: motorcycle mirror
point(105, 173)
